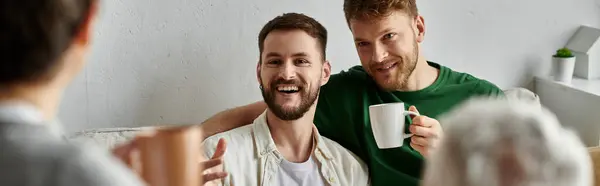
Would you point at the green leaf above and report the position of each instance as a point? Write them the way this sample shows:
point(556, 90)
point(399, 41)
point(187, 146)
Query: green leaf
point(563, 53)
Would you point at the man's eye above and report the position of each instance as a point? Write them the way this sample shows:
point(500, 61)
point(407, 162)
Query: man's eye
point(274, 62)
point(389, 36)
point(362, 44)
point(302, 61)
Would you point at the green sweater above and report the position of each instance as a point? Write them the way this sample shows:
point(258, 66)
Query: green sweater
point(343, 116)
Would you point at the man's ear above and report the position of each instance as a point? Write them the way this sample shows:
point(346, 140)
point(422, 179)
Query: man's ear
point(85, 29)
point(258, 72)
point(326, 72)
point(419, 28)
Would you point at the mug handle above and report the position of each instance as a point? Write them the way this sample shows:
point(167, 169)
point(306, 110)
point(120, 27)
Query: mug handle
point(405, 113)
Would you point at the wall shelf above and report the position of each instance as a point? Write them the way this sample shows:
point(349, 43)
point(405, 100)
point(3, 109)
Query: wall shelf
point(577, 105)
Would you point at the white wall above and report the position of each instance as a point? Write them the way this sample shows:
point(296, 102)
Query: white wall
point(181, 61)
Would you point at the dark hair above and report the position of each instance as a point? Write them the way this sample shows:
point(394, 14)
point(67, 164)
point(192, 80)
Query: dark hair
point(293, 21)
point(377, 9)
point(34, 34)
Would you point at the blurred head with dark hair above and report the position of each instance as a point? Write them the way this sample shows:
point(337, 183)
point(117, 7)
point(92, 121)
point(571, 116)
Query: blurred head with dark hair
point(43, 45)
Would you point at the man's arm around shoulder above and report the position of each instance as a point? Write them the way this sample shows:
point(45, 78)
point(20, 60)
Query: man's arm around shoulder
point(232, 118)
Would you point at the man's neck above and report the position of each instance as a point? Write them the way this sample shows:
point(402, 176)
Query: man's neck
point(44, 98)
point(423, 76)
point(294, 139)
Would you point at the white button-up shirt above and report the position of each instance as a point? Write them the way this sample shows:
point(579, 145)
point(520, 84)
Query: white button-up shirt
point(252, 158)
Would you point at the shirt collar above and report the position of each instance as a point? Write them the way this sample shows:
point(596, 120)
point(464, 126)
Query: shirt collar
point(19, 112)
point(264, 141)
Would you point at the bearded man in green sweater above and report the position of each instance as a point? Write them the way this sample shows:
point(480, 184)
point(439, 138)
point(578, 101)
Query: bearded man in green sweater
point(388, 36)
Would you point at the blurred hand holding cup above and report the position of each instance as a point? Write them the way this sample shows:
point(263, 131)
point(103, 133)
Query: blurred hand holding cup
point(167, 156)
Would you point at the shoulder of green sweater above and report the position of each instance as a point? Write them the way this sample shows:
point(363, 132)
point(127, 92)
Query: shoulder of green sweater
point(355, 75)
point(487, 88)
point(484, 87)
point(356, 72)
point(479, 86)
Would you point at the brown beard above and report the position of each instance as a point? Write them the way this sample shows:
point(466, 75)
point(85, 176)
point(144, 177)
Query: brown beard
point(308, 96)
point(405, 68)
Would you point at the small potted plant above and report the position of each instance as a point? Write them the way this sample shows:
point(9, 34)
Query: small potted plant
point(564, 64)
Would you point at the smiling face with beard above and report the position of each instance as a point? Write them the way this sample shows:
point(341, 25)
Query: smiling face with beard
point(288, 112)
point(291, 73)
point(389, 48)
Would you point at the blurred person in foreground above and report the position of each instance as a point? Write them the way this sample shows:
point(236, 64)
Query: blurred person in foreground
point(495, 142)
point(43, 47)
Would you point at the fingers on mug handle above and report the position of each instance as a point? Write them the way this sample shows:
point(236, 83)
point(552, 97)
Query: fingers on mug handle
point(411, 113)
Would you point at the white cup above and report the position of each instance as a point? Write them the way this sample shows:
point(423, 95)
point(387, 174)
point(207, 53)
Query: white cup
point(387, 122)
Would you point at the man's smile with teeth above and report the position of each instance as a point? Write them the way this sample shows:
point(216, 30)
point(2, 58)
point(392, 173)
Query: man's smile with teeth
point(288, 89)
point(387, 66)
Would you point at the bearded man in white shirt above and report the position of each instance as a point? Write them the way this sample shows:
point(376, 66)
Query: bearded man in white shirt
point(282, 146)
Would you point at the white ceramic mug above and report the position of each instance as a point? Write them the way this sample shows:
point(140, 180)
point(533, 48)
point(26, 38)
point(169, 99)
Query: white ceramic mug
point(387, 123)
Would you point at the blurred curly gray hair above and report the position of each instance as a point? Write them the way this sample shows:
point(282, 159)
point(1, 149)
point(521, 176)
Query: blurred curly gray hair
point(496, 142)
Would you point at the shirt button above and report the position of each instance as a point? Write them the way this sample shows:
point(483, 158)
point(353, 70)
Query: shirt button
point(331, 180)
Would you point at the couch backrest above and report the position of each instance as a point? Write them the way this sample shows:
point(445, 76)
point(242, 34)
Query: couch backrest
point(109, 137)
point(521, 94)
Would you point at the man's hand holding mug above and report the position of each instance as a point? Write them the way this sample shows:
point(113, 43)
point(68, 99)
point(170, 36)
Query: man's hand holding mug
point(172, 157)
point(426, 132)
point(388, 124)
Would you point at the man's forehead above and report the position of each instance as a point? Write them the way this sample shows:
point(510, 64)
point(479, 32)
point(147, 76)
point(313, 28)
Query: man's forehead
point(290, 43)
point(397, 20)
point(288, 53)
point(293, 54)
point(386, 18)
point(283, 36)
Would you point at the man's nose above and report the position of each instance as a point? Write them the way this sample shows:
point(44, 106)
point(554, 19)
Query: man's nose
point(379, 54)
point(288, 71)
